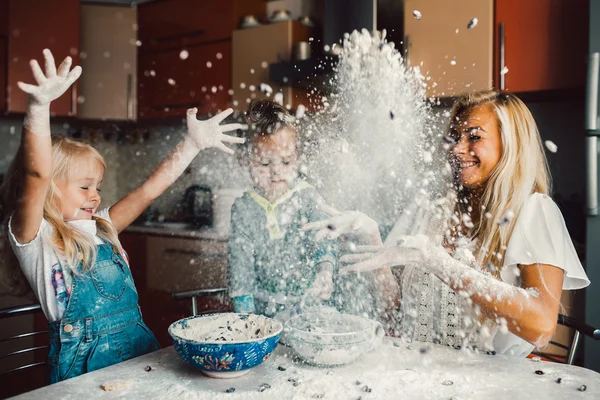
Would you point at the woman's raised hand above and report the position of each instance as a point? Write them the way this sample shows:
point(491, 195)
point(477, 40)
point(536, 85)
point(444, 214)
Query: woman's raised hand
point(209, 133)
point(347, 225)
point(53, 83)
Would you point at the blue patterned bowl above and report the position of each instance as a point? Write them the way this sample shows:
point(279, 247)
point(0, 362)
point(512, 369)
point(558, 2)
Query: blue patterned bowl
point(201, 342)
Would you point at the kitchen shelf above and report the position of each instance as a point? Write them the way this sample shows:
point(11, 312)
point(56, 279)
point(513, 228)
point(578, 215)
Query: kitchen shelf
point(306, 74)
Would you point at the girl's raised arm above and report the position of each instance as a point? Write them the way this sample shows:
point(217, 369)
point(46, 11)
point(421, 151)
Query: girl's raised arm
point(35, 151)
point(200, 135)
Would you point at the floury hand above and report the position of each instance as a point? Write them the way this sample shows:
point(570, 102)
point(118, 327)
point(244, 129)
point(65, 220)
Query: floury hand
point(409, 250)
point(346, 225)
point(53, 84)
point(209, 133)
point(322, 287)
point(50, 86)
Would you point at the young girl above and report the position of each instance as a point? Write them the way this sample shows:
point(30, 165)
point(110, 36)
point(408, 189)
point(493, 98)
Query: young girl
point(69, 251)
point(511, 252)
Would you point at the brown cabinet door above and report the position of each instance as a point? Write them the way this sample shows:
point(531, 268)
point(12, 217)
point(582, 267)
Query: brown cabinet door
point(3, 51)
point(171, 23)
point(169, 85)
point(545, 44)
point(33, 26)
point(3, 66)
point(253, 50)
point(452, 58)
point(108, 84)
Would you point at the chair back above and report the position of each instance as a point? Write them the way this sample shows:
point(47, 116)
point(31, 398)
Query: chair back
point(23, 352)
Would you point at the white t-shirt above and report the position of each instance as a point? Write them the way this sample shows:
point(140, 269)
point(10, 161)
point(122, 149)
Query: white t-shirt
point(540, 236)
point(38, 257)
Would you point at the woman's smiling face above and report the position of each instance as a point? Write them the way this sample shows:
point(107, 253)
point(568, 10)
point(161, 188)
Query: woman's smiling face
point(478, 145)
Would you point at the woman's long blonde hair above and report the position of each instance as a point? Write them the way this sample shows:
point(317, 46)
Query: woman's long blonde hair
point(521, 171)
point(72, 245)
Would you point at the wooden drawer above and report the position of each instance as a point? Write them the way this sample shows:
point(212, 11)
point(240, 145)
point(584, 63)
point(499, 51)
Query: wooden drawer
point(176, 265)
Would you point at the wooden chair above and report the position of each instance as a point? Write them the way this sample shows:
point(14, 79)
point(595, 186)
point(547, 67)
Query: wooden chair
point(215, 300)
point(23, 364)
point(579, 328)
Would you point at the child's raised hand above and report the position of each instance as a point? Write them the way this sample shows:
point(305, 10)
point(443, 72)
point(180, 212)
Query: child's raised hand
point(409, 250)
point(209, 133)
point(53, 83)
point(322, 287)
point(348, 225)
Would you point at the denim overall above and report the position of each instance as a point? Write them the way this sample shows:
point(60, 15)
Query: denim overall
point(102, 324)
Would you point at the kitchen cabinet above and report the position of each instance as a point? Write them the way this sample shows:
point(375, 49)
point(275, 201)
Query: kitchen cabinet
point(169, 85)
point(545, 44)
point(253, 50)
point(452, 58)
point(184, 54)
point(173, 24)
point(34, 25)
point(3, 51)
point(517, 46)
point(164, 264)
point(108, 86)
point(179, 265)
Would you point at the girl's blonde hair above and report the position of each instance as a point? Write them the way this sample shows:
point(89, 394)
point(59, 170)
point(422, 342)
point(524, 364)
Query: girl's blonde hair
point(521, 171)
point(73, 245)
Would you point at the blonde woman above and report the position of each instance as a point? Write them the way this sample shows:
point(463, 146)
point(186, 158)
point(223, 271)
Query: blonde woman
point(492, 276)
point(67, 250)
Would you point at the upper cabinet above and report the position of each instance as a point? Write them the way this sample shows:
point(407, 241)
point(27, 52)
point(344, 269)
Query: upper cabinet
point(451, 57)
point(544, 42)
point(250, 61)
point(108, 85)
point(510, 45)
point(34, 25)
point(172, 81)
point(185, 54)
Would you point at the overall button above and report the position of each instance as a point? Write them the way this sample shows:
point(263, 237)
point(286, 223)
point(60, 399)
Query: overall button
point(68, 328)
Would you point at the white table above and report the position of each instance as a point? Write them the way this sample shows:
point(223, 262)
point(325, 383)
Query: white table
point(391, 372)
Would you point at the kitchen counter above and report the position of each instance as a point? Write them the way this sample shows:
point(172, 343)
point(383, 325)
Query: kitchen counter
point(178, 230)
point(395, 370)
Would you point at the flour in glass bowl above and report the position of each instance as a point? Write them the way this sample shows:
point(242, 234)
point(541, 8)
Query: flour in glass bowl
point(229, 328)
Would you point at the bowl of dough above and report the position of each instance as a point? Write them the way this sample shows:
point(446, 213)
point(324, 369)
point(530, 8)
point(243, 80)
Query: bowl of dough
point(225, 345)
point(331, 338)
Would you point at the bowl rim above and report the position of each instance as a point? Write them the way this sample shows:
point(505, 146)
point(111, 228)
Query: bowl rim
point(174, 336)
point(289, 328)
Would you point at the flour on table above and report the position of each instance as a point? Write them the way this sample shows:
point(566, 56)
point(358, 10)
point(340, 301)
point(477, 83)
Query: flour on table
point(117, 384)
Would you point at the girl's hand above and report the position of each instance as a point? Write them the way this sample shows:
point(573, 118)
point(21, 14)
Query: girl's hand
point(53, 84)
point(322, 287)
point(347, 225)
point(209, 133)
point(409, 250)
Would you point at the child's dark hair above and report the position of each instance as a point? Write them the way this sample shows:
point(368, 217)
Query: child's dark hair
point(265, 117)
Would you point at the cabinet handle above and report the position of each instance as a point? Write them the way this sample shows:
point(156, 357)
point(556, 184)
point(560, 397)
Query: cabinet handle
point(407, 49)
point(591, 126)
point(129, 96)
point(502, 57)
point(74, 99)
point(193, 253)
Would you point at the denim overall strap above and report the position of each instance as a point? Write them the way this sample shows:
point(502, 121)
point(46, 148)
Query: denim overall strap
point(102, 324)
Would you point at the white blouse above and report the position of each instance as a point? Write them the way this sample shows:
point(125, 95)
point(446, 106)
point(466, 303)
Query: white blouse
point(540, 236)
point(431, 311)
